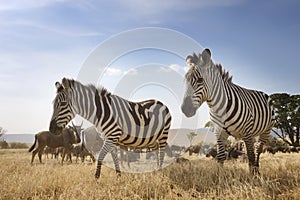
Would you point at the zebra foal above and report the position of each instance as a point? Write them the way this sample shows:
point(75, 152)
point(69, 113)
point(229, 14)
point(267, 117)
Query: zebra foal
point(134, 124)
point(234, 110)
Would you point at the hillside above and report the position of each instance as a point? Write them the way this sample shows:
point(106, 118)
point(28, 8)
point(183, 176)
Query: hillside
point(176, 136)
point(26, 138)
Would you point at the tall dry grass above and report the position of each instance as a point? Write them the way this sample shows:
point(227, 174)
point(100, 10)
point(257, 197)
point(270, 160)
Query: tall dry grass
point(199, 179)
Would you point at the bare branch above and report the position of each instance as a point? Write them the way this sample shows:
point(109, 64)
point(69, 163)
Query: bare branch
point(281, 137)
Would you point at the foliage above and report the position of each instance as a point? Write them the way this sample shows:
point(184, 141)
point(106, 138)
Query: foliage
point(2, 132)
point(208, 124)
point(18, 145)
point(287, 117)
point(191, 136)
point(276, 142)
point(195, 148)
point(4, 144)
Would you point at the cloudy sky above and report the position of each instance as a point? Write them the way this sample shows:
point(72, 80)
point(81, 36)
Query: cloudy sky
point(43, 41)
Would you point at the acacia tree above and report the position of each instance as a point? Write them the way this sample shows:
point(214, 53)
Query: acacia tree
point(191, 137)
point(3, 143)
point(287, 117)
point(2, 132)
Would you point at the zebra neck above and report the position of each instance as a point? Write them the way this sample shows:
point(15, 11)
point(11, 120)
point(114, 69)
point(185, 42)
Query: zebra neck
point(218, 100)
point(84, 102)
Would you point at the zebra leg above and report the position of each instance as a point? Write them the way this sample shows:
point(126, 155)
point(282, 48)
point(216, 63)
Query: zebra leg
point(221, 156)
point(114, 156)
point(251, 155)
point(162, 143)
point(161, 146)
point(262, 141)
point(122, 157)
point(104, 150)
point(161, 156)
point(128, 158)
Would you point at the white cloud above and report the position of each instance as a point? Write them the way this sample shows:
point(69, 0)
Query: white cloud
point(186, 68)
point(113, 72)
point(118, 72)
point(70, 30)
point(174, 67)
point(131, 72)
point(147, 7)
point(21, 4)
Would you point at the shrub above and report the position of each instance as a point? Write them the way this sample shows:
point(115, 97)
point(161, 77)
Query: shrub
point(18, 145)
point(3, 145)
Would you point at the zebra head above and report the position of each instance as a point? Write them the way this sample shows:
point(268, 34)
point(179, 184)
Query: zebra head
point(62, 109)
point(196, 86)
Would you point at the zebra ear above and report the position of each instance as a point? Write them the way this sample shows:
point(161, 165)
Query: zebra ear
point(57, 85)
point(65, 83)
point(191, 60)
point(206, 55)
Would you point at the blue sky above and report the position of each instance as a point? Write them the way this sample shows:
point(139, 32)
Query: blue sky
point(43, 41)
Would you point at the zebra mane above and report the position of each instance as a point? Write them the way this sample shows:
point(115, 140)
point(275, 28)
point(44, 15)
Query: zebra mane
point(101, 89)
point(192, 62)
point(225, 74)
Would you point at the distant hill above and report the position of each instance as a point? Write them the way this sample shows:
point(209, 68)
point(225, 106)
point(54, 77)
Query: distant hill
point(26, 138)
point(176, 136)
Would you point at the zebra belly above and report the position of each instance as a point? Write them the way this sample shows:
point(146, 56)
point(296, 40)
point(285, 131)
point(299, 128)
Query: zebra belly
point(132, 141)
point(239, 131)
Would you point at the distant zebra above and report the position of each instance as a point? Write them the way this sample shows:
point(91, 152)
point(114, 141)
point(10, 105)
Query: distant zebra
point(136, 124)
point(234, 110)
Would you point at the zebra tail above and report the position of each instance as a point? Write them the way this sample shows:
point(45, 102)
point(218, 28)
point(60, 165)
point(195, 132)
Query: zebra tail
point(32, 147)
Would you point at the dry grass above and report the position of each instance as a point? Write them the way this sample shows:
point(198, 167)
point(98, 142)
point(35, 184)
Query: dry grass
point(199, 179)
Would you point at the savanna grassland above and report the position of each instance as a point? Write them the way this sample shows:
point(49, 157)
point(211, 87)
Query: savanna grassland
point(198, 179)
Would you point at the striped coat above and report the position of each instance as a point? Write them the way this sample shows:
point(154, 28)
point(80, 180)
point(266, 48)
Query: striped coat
point(135, 124)
point(234, 110)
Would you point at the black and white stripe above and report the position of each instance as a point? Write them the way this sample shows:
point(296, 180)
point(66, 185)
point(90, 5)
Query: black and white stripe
point(122, 122)
point(234, 110)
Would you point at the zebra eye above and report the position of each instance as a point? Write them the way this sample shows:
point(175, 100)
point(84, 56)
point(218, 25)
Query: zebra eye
point(200, 80)
point(63, 103)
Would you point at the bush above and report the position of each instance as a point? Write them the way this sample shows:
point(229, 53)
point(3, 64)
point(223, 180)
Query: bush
point(3, 145)
point(18, 145)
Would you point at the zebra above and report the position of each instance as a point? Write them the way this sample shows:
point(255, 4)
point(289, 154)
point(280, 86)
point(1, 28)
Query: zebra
point(124, 123)
point(234, 110)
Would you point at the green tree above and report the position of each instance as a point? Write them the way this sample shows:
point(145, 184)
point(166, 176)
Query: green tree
point(287, 117)
point(208, 124)
point(18, 145)
point(191, 136)
point(3, 143)
point(2, 132)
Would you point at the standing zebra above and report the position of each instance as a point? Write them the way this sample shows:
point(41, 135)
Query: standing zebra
point(135, 124)
point(234, 110)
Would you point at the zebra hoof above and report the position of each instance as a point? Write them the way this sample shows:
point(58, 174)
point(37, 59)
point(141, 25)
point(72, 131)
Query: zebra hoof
point(97, 175)
point(118, 173)
point(255, 171)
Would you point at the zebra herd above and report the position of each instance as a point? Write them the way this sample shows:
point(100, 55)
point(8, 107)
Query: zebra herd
point(234, 111)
